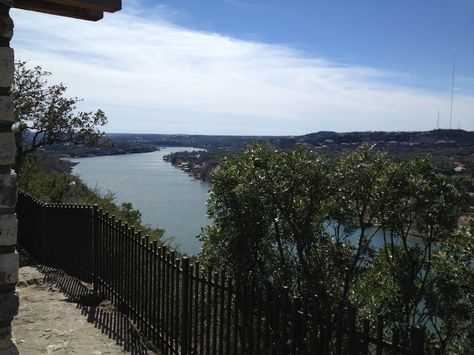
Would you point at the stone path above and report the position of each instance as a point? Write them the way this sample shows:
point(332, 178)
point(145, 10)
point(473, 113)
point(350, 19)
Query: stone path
point(58, 316)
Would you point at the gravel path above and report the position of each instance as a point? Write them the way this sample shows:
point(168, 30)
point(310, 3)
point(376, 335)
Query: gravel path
point(58, 316)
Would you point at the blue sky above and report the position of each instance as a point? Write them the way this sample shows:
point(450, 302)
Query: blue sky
point(263, 67)
point(411, 36)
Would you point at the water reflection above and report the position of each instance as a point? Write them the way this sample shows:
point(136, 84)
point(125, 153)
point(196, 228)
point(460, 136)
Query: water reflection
point(166, 196)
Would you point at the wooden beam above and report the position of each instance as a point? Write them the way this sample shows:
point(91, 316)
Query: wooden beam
point(98, 5)
point(49, 7)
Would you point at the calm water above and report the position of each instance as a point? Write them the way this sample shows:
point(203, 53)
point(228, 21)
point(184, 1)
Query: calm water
point(167, 197)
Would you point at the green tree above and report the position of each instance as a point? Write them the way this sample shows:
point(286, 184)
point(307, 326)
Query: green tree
point(44, 115)
point(265, 209)
point(293, 218)
point(450, 297)
point(358, 231)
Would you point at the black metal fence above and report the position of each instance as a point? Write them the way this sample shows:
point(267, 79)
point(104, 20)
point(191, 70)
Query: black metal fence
point(181, 308)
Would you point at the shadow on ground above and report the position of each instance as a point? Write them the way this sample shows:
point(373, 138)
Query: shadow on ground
point(101, 313)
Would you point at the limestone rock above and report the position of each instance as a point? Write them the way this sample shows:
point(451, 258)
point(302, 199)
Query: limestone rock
point(8, 190)
point(6, 340)
point(9, 303)
point(8, 229)
point(6, 26)
point(10, 350)
point(7, 66)
point(9, 268)
point(6, 108)
point(7, 148)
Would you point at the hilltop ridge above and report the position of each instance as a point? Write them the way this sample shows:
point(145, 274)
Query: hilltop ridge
point(449, 148)
point(127, 143)
point(434, 137)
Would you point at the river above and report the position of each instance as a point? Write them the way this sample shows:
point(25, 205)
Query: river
point(167, 197)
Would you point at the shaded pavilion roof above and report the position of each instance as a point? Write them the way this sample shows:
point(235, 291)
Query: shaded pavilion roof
point(92, 10)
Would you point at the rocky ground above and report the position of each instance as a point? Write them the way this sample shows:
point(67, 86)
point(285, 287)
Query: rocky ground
point(58, 316)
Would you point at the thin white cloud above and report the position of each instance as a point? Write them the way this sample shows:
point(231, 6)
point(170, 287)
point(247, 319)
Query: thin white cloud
point(151, 75)
point(240, 3)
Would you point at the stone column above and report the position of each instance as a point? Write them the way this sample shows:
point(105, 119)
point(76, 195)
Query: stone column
point(9, 301)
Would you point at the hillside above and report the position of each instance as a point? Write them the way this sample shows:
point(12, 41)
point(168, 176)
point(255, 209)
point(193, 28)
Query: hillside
point(450, 149)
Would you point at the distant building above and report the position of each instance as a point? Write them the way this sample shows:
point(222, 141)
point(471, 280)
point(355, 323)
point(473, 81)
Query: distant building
point(465, 220)
point(460, 168)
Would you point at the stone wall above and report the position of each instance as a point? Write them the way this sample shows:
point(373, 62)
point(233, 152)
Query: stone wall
point(8, 187)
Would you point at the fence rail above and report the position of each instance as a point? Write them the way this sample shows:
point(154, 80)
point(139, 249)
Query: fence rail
point(181, 308)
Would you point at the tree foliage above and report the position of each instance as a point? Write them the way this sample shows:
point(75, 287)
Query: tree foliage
point(359, 232)
point(44, 115)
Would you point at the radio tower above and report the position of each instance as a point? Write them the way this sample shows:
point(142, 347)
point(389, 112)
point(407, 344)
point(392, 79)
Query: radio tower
point(452, 94)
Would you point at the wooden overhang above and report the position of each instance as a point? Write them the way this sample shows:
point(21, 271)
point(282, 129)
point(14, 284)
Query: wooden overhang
point(92, 10)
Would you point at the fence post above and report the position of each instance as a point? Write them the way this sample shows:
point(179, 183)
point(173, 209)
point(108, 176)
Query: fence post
point(95, 244)
point(417, 337)
point(352, 330)
point(380, 325)
point(285, 310)
point(185, 307)
point(44, 237)
point(365, 336)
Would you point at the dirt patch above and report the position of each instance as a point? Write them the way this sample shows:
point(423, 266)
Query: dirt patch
point(51, 322)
